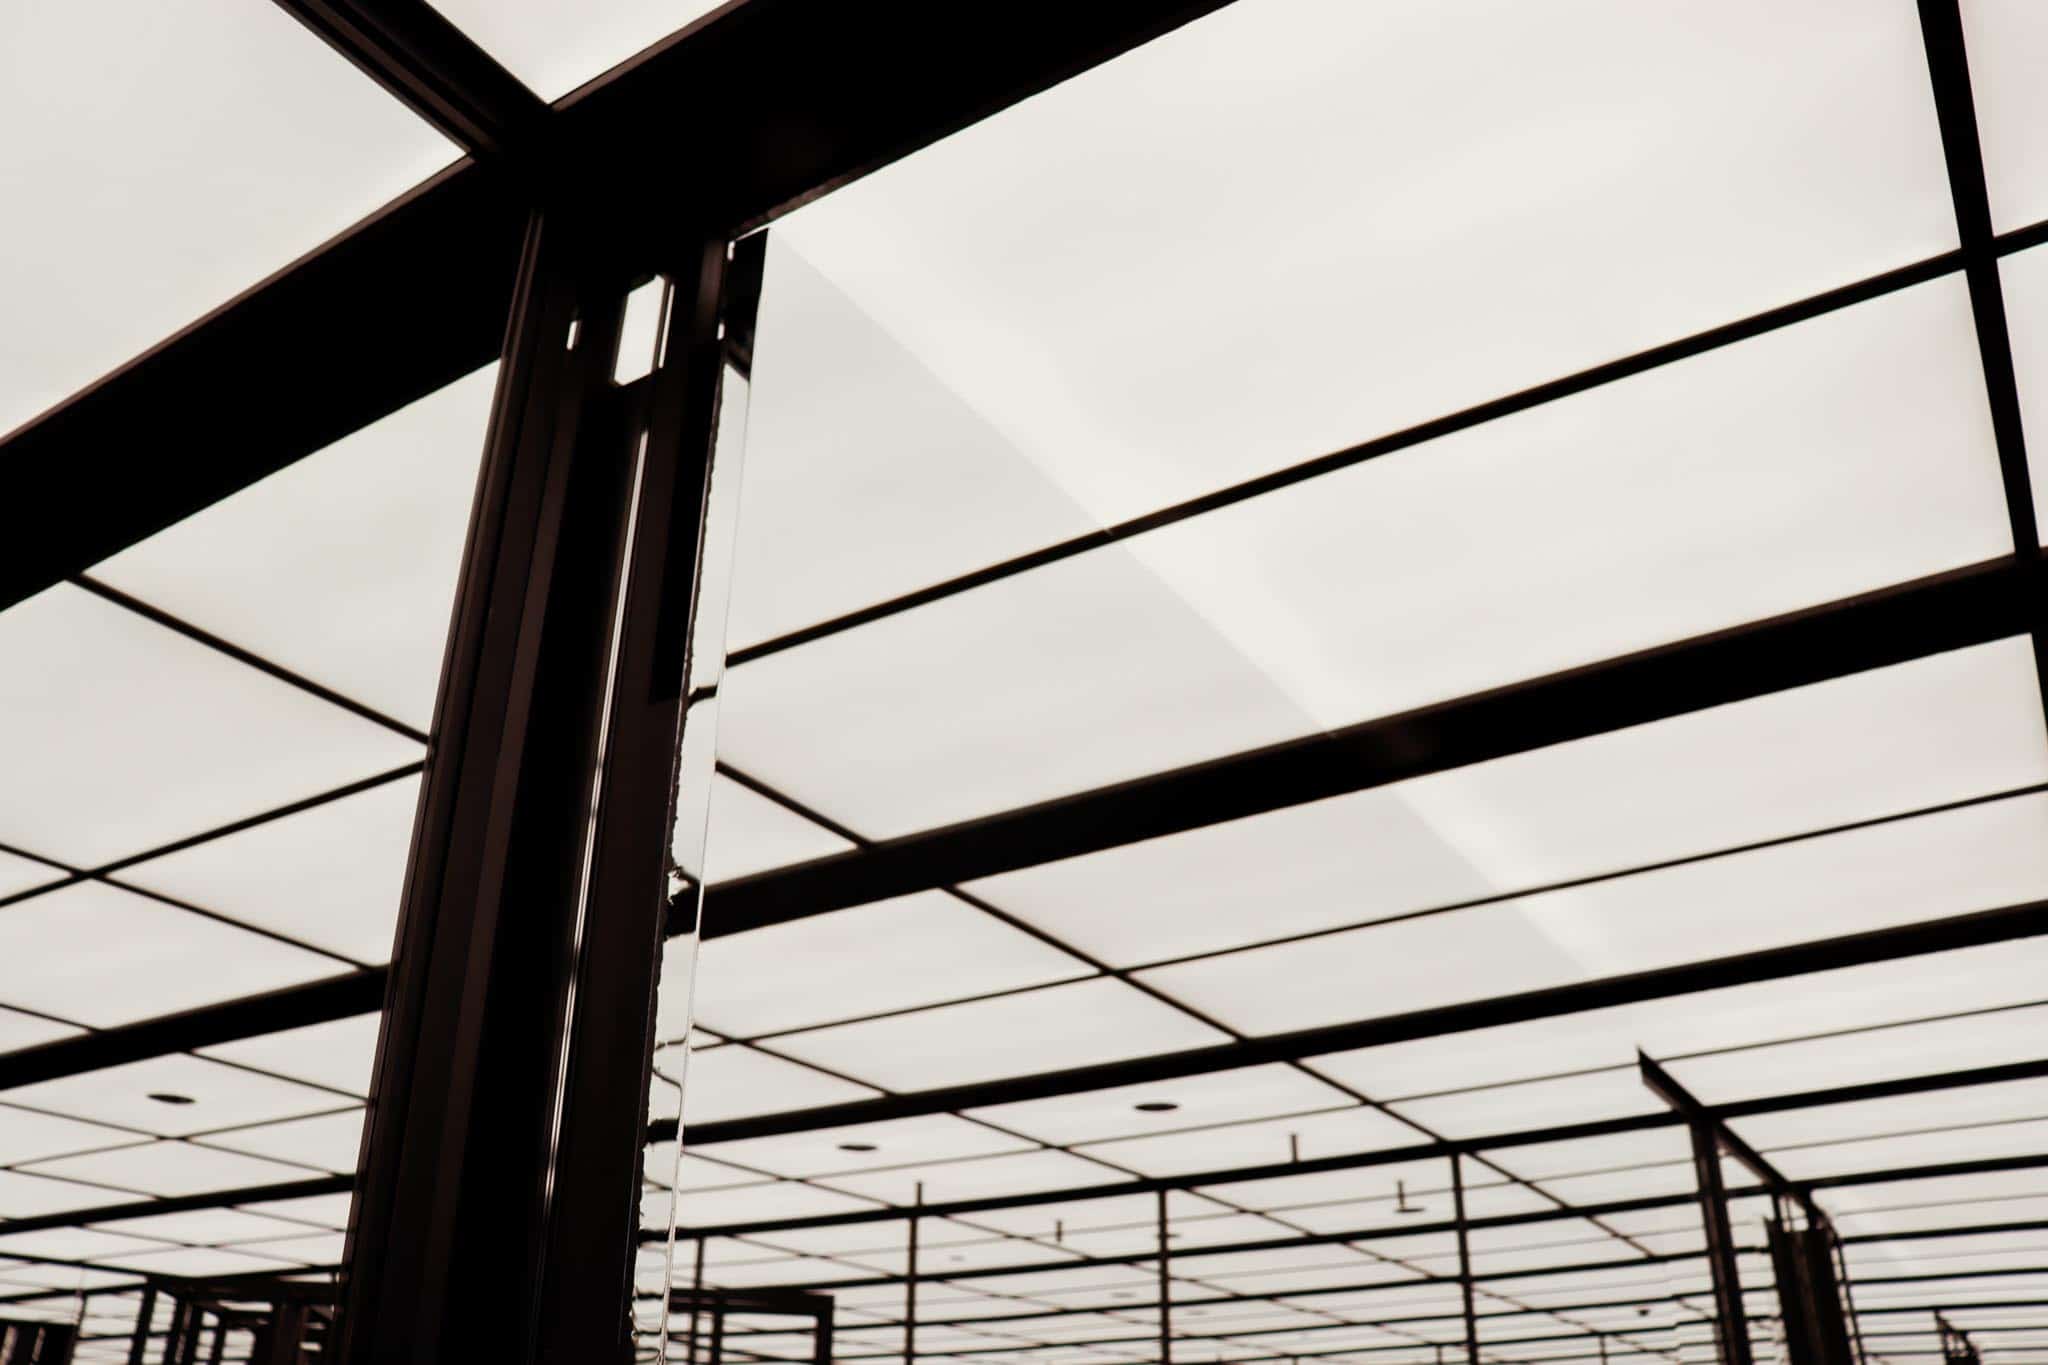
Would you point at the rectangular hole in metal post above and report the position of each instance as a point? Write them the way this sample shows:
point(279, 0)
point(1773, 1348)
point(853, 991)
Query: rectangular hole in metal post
point(640, 333)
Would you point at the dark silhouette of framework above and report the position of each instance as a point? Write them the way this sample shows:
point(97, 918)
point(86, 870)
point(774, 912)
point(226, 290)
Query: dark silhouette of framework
point(557, 214)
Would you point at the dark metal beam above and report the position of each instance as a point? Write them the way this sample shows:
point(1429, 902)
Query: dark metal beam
point(317, 1002)
point(438, 71)
point(1731, 1322)
point(1684, 1103)
point(450, 1219)
point(1986, 602)
point(407, 301)
point(1880, 945)
point(416, 295)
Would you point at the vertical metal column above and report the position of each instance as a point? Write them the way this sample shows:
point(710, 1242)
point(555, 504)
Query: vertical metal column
point(496, 1208)
point(910, 1283)
point(1464, 1258)
point(1165, 1291)
point(143, 1318)
point(821, 1349)
point(1731, 1320)
point(696, 1299)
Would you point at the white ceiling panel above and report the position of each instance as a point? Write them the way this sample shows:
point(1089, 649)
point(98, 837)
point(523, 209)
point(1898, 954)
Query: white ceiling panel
point(180, 156)
point(338, 1055)
point(331, 876)
point(1156, 1107)
point(328, 1142)
point(748, 833)
point(175, 1095)
point(897, 954)
point(1577, 180)
point(129, 735)
point(2008, 46)
point(556, 48)
point(342, 566)
point(1045, 1030)
point(171, 1168)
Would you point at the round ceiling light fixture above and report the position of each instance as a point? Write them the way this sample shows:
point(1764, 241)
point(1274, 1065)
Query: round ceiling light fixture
point(857, 1147)
point(1155, 1106)
point(169, 1097)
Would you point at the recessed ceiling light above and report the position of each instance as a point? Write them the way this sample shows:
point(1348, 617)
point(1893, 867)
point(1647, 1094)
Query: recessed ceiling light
point(1155, 1106)
point(167, 1097)
point(857, 1147)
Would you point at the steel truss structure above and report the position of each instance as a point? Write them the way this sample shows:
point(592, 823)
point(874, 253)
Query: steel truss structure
point(519, 1190)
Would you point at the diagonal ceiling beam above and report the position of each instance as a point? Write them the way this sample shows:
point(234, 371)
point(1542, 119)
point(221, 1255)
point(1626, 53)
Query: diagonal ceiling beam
point(437, 71)
point(777, 101)
point(1880, 945)
point(1892, 625)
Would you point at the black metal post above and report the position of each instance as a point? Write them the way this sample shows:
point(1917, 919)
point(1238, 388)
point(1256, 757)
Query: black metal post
point(503, 1152)
point(1165, 1290)
point(220, 1341)
point(717, 1333)
point(188, 1345)
point(821, 1353)
point(696, 1299)
point(143, 1318)
point(910, 1282)
point(1464, 1258)
point(1731, 1321)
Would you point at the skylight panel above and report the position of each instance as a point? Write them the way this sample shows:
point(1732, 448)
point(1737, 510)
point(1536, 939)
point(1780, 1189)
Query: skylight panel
point(2024, 277)
point(1188, 1102)
point(173, 1095)
point(338, 1055)
point(1573, 183)
point(748, 833)
point(729, 1082)
point(2008, 46)
point(828, 1152)
point(328, 1142)
point(179, 156)
point(897, 954)
point(171, 1168)
point(331, 876)
point(105, 956)
point(109, 736)
point(342, 566)
point(556, 48)
point(1078, 1024)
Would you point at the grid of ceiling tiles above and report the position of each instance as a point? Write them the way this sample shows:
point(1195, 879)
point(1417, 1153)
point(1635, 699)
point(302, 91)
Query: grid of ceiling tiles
point(1285, 229)
point(1158, 281)
point(224, 726)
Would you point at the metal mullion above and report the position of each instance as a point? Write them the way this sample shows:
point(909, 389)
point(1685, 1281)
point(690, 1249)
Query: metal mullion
point(1948, 66)
point(456, 1153)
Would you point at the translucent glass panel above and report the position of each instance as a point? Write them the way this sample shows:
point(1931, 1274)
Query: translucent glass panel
point(2025, 280)
point(1528, 815)
point(342, 566)
point(2008, 43)
point(179, 154)
point(127, 735)
point(554, 48)
point(893, 955)
point(1510, 232)
point(1567, 534)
